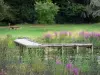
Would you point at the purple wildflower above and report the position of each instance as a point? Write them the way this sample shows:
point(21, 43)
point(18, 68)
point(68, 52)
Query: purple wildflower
point(2, 72)
point(76, 71)
point(96, 35)
point(81, 33)
point(58, 61)
point(63, 33)
point(56, 34)
point(92, 34)
point(87, 36)
point(69, 66)
point(70, 33)
point(48, 36)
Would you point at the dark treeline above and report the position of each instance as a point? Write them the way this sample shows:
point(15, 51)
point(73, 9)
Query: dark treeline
point(70, 11)
point(22, 10)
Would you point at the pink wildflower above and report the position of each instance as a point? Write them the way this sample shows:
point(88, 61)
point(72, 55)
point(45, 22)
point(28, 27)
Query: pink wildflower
point(58, 61)
point(48, 36)
point(69, 66)
point(75, 71)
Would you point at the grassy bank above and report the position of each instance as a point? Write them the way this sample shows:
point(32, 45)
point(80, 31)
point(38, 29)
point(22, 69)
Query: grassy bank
point(38, 30)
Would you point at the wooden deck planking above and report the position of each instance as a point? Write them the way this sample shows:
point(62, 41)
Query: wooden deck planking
point(30, 44)
point(67, 45)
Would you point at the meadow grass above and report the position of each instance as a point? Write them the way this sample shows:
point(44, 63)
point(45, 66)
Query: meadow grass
point(29, 30)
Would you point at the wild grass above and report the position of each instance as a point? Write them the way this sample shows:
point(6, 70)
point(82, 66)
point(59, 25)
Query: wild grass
point(38, 30)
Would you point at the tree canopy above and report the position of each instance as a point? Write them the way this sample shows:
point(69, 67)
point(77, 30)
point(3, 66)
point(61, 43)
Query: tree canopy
point(70, 11)
point(4, 10)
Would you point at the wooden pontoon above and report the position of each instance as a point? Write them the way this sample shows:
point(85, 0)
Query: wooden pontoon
point(31, 44)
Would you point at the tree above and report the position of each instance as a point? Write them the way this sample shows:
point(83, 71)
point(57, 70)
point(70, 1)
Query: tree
point(94, 8)
point(4, 10)
point(70, 11)
point(73, 11)
point(92, 13)
point(45, 12)
point(84, 2)
point(23, 10)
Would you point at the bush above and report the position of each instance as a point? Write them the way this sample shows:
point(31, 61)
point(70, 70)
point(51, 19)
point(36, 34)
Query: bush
point(70, 12)
point(69, 37)
point(4, 11)
point(3, 24)
point(3, 53)
point(45, 12)
point(22, 11)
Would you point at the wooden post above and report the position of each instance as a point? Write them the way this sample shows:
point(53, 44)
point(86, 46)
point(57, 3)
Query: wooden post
point(63, 58)
point(62, 51)
point(92, 52)
point(92, 49)
point(48, 55)
point(77, 47)
point(9, 25)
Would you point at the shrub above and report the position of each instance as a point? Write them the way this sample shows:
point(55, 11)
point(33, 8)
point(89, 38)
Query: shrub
point(45, 12)
point(57, 37)
point(70, 12)
point(69, 37)
point(3, 53)
point(3, 24)
point(22, 11)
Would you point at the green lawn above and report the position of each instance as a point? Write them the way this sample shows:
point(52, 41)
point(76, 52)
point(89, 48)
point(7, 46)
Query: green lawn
point(39, 30)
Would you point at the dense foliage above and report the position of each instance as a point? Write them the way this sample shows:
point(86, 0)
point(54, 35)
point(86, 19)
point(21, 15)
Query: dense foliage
point(93, 11)
point(45, 12)
point(23, 10)
point(72, 37)
point(4, 11)
point(19, 60)
point(72, 11)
